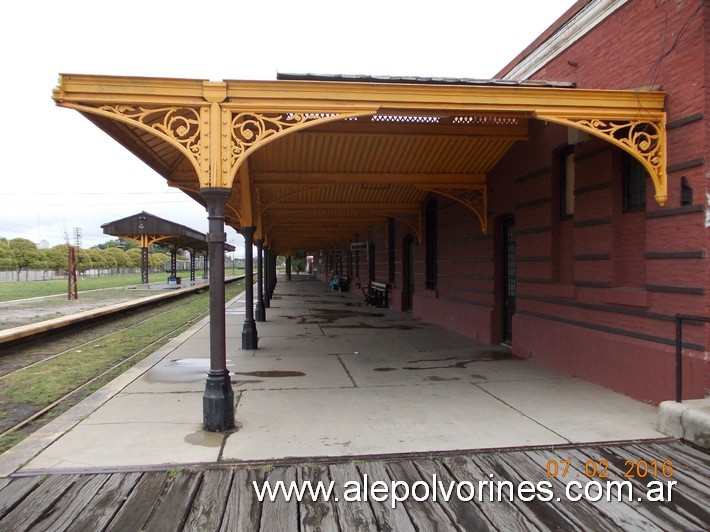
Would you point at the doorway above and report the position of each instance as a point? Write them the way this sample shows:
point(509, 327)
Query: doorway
point(407, 272)
point(508, 277)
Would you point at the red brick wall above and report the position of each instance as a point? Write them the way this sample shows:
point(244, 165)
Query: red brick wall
point(597, 293)
point(652, 271)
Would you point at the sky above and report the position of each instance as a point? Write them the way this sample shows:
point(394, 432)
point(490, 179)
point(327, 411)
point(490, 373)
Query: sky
point(60, 172)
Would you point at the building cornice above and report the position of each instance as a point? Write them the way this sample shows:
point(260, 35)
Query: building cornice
point(574, 29)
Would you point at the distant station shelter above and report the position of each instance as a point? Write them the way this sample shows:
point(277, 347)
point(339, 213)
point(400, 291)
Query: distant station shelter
point(563, 218)
point(146, 229)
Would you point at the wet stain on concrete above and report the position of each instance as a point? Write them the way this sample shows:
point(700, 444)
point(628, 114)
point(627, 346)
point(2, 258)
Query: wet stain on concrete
point(370, 326)
point(271, 373)
point(204, 439)
point(463, 360)
point(385, 369)
point(436, 378)
point(180, 370)
point(240, 383)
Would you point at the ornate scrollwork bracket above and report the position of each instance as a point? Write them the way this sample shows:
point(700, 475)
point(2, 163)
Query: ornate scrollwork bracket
point(474, 197)
point(645, 140)
point(413, 220)
point(179, 125)
point(251, 130)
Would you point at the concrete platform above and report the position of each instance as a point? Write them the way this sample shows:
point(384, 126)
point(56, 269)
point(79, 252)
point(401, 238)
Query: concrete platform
point(331, 378)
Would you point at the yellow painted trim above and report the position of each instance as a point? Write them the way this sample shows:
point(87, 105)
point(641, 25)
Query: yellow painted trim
point(473, 197)
point(632, 136)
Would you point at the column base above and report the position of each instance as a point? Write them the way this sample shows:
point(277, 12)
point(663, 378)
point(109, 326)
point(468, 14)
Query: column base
point(250, 336)
point(218, 402)
point(260, 311)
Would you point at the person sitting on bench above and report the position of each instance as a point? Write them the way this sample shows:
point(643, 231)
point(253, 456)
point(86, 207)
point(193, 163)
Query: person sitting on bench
point(334, 283)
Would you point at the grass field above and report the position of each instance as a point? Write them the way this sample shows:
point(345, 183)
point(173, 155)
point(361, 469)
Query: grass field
point(26, 289)
point(41, 385)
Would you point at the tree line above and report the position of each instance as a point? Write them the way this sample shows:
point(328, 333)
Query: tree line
point(21, 254)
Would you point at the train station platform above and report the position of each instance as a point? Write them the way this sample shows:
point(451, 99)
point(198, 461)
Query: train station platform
point(331, 378)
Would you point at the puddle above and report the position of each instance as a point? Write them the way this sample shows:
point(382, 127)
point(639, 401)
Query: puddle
point(271, 373)
point(195, 370)
point(204, 439)
point(385, 369)
point(436, 378)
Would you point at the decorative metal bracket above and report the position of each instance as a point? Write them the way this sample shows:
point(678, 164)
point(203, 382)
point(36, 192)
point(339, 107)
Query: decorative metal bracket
point(145, 239)
point(645, 140)
point(180, 125)
point(474, 197)
point(252, 130)
point(413, 220)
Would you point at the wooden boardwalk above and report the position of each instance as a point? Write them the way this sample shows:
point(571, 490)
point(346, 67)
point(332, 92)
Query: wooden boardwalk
point(221, 497)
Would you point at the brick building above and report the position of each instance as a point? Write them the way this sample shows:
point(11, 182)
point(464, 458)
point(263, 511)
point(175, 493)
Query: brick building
point(580, 269)
point(560, 208)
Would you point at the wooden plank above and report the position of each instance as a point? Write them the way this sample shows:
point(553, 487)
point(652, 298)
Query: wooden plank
point(171, 511)
point(280, 515)
point(4, 482)
point(425, 515)
point(106, 503)
point(387, 518)
point(318, 515)
point(243, 512)
point(210, 502)
point(465, 514)
point(37, 503)
point(17, 490)
point(545, 513)
point(352, 515)
point(140, 503)
point(624, 515)
point(74, 500)
point(668, 515)
point(503, 515)
point(693, 459)
point(583, 514)
point(700, 457)
point(694, 481)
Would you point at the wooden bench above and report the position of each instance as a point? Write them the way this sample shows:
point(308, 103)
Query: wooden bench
point(376, 294)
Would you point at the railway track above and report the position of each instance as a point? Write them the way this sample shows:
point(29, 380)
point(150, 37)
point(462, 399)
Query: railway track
point(39, 358)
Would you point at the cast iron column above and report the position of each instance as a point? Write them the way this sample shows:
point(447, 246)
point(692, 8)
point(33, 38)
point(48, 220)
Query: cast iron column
point(218, 401)
point(192, 265)
point(250, 338)
point(144, 265)
point(267, 278)
point(288, 267)
point(260, 312)
point(173, 261)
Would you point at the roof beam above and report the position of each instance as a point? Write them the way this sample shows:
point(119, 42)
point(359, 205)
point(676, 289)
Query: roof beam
point(347, 206)
point(365, 178)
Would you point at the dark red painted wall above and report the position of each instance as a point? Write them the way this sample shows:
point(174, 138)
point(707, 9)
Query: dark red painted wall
point(597, 293)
